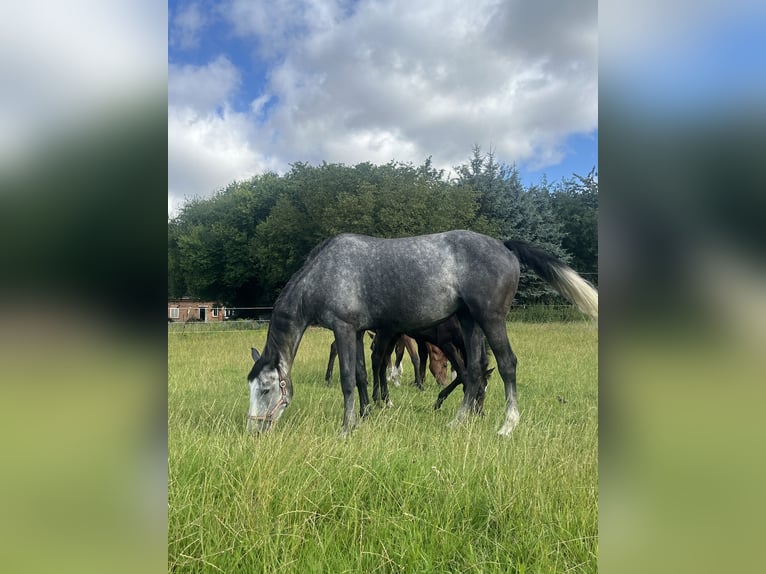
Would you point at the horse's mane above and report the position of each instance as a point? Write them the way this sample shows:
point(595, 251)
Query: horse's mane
point(281, 320)
point(298, 275)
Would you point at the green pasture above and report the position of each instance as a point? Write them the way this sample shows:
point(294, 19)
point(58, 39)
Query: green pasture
point(404, 493)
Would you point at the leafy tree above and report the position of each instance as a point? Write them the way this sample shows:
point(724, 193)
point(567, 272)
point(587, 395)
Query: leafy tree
point(176, 282)
point(575, 202)
point(515, 213)
point(392, 200)
point(241, 246)
point(210, 242)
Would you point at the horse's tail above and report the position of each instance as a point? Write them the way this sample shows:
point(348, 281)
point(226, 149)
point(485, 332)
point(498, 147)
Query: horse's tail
point(561, 276)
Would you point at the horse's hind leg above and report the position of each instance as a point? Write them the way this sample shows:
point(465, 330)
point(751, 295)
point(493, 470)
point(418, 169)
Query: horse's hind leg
point(330, 363)
point(506, 363)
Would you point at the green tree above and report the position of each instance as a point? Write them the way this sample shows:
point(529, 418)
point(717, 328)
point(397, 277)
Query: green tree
point(241, 246)
point(575, 202)
point(515, 213)
point(209, 242)
point(392, 200)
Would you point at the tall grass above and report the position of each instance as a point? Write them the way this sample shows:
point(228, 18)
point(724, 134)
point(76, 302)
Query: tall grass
point(404, 493)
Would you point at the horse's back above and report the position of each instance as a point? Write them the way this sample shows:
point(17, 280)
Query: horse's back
point(406, 281)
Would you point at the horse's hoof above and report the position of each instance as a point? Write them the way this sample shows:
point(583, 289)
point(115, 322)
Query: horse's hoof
point(508, 427)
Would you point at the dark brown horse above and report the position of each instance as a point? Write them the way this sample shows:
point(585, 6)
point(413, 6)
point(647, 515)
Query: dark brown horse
point(446, 337)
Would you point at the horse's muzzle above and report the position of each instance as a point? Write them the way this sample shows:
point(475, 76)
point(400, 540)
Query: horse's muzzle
point(259, 424)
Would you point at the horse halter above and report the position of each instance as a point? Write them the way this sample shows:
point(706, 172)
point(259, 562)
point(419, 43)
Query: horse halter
point(268, 417)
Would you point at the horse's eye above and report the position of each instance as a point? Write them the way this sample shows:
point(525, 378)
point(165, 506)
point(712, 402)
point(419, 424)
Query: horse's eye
point(265, 391)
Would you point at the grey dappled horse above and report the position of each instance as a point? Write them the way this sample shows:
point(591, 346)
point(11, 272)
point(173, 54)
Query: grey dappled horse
point(354, 283)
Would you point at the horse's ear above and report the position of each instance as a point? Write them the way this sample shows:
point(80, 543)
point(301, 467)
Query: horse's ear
point(254, 352)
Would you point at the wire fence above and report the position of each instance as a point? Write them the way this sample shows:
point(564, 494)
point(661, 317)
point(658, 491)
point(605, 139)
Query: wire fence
point(518, 313)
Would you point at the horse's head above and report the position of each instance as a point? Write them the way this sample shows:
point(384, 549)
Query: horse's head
point(270, 392)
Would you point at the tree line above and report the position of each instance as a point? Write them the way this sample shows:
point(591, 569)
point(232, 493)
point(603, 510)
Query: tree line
point(241, 246)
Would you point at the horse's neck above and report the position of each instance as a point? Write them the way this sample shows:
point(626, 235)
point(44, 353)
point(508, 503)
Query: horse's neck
point(285, 332)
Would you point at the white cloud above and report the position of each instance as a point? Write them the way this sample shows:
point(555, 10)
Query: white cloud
point(206, 152)
point(187, 25)
point(202, 88)
point(375, 81)
point(438, 81)
point(209, 143)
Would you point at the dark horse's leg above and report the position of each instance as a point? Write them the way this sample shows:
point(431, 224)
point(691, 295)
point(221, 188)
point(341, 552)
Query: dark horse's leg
point(422, 361)
point(330, 363)
point(472, 334)
point(456, 360)
point(382, 348)
point(458, 365)
point(346, 340)
point(361, 377)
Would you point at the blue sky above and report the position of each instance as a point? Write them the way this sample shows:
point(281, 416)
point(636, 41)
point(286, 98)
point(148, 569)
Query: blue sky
point(255, 85)
point(683, 60)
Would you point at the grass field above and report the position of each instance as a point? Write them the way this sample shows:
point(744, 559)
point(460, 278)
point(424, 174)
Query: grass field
point(404, 493)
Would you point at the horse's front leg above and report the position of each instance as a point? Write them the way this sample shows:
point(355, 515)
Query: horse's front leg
point(346, 338)
point(419, 358)
point(473, 337)
point(389, 348)
point(458, 366)
point(381, 350)
point(331, 363)
point(376, 357)
point(361, 377)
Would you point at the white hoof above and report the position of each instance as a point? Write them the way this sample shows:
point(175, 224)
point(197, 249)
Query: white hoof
point(510, 423)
